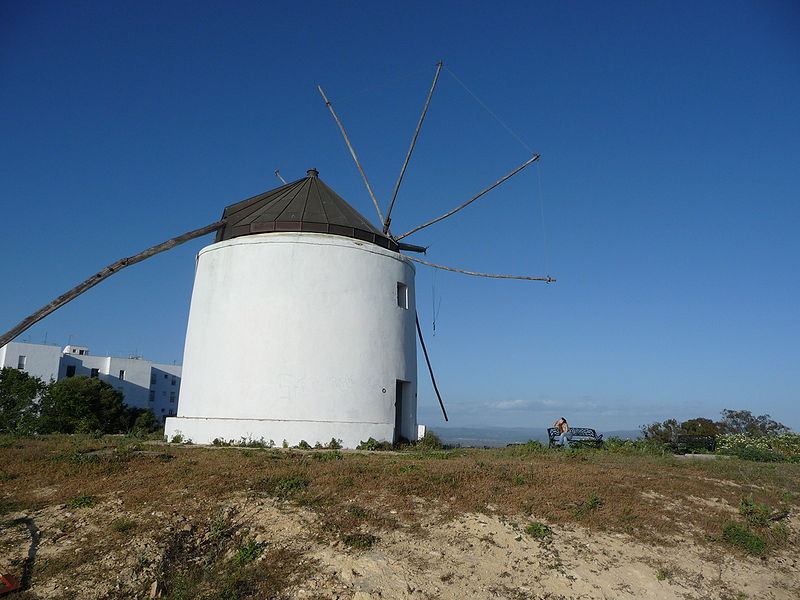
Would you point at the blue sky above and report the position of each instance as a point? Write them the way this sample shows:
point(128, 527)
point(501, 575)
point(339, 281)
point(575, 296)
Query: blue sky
point(669, 135)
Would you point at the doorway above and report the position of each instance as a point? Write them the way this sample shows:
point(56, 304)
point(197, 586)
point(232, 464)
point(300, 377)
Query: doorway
point(400, 409)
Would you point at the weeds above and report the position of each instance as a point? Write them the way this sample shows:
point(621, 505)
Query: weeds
point(331, 455)
point(358, 512)
point(283, 487)
point(123, 525)
point(538, 530)
point(361, 541)
point(755, 513)
point(373, 444)
point(250, 551)
point(83, 501)
point(592, 503)
point(740, 535)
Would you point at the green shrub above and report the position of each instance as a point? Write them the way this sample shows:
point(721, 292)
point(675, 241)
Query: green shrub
point(593, 502)
point(283, 487)
point(761, 448)
point(361, 541)
point(304, 445)
point(373, 444)
point(740, 535)
point(330, 455)
point(83, 501)
point(430, 441)
point(538, 530)
point(335, 444)
point(249, 552)
point(755, 513)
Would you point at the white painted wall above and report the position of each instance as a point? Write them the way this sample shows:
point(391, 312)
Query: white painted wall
point(297, 336)
point(40, 360)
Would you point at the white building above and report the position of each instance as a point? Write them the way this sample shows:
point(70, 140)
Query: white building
point(301, 327)
point(143, 383)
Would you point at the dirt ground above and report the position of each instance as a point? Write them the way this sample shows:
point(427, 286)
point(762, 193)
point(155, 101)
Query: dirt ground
point(471, 555)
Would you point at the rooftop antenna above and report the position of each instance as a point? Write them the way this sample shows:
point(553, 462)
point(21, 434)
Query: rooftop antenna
point(278, 175)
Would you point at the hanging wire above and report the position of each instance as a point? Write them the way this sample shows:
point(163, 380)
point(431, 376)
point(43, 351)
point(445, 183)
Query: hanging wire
point(491, 112)
point(435, 306)
point(529, 149)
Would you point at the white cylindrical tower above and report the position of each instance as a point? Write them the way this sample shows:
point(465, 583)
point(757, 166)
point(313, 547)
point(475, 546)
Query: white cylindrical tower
point(299, 328)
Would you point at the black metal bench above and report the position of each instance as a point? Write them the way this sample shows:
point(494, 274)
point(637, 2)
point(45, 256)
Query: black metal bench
point(684, 443)
point(581, 437)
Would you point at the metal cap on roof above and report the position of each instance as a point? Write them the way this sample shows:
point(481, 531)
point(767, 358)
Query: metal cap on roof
point(303, 205)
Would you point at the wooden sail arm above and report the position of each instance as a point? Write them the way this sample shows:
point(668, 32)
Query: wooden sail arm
point(352, 153)
point(104, 274)
point(471, 200)
point(548, 279)
point(388, 219)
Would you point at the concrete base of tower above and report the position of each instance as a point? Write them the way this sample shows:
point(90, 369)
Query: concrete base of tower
point(204, 430)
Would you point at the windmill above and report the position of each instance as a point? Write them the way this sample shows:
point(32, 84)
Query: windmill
point(303, 320)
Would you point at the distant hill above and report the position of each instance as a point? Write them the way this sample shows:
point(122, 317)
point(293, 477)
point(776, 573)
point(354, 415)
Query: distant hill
point(479, 437)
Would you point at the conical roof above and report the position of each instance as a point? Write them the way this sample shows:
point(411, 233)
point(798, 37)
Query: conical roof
point(303, 205)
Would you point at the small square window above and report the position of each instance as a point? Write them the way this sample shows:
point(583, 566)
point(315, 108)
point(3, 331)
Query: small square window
point(21, 362)
point(172, 397)
point(174, 380)
point(152, 396)
point(152, 378)
point(70, 370)
point(402, 295)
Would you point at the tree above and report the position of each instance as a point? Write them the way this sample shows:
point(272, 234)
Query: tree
point(82, 405)
point(743, 421)
point(701, 426)
point(143, 421)
point(662, 432)
point(18, 401)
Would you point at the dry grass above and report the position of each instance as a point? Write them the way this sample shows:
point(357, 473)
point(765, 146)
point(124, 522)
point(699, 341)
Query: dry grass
point(356, 496)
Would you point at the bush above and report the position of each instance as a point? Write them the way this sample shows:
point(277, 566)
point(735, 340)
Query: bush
point(430, 441)
point(754, 512)
point(83, 501)
point(283, 487)
point(249, 552)
point(373, 444)
point(617, 445)
point(740, 535)
point(538, 530)
point(777, 448)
